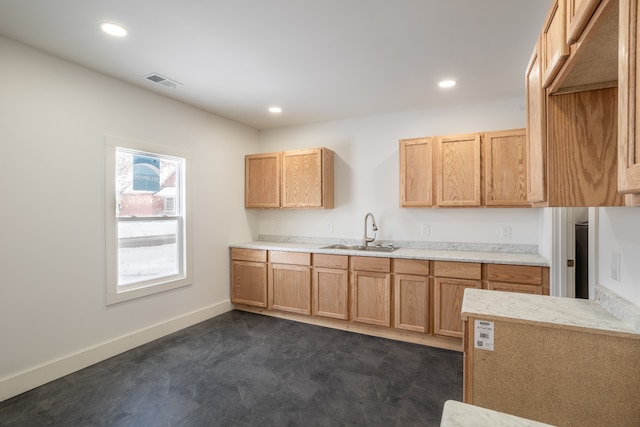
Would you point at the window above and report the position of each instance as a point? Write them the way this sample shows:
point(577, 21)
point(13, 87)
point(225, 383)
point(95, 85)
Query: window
point(147, 219)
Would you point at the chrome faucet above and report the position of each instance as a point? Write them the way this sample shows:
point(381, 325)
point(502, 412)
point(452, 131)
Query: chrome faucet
point(366, 240)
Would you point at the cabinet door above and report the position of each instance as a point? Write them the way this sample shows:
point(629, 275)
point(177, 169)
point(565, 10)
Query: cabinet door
point(628, 99)
point(458, 170)
point(555, 49)
point(411, 295)
point(578, 14)
point(331, 293)
point(262, 180)
point(505, 166)
point(307, 178)
point(249, 283)
point(416, 172)
point(371, 298)
point(448, 296)
point(536, 130)
point(290, 288)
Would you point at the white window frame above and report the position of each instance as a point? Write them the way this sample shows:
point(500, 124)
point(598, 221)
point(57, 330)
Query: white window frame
point(115, 293)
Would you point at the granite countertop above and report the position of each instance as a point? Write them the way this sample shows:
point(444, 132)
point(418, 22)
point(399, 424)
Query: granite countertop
point(555, 312)
point(493, 257)
point(458, 414)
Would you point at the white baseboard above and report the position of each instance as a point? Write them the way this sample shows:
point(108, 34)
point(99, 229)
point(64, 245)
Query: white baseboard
point(32, 378)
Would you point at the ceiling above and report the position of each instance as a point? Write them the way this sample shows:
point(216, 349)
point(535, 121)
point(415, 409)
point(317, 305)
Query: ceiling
point(317, 59)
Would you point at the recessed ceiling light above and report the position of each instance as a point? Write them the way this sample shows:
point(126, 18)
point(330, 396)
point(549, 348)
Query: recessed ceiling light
point(275, 110)
point(113, 29)
point(447, 83)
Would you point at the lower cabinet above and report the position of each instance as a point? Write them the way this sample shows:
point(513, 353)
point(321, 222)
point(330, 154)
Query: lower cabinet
point(290, 282)
point(411, 295)
point(371, 290)
point(518, 278)
point(451, 279)
point(330, 279)
point(249, 277)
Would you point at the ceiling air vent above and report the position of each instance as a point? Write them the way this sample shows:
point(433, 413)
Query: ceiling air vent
point(162, 80)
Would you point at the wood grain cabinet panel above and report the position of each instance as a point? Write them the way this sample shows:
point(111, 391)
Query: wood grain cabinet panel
point(307, 178)
point(628, 100)
point(555, 48)
point(411, 296)
point(536, 136)
point(505, 166)
point(249, 277)
point(330, 286)
point(578, 14)
point(290, 285)
point(448, 295)
point(370, 279)
point(416, 172)
point(262, 180)
point(458, 170)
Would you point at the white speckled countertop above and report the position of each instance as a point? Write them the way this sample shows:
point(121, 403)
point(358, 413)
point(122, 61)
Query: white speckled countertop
point(554, 312)
point(517, 258)
point(458, 414)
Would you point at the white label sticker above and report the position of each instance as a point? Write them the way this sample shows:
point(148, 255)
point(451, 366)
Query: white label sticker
point(484, 335)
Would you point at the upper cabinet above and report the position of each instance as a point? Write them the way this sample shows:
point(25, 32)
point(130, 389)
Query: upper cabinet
point(473, 170)
point(555, 49)
point(628, 139)
point(458, 170)
point(505, 168)
point(262, 180)
point(307, 178)
point(416, 172)
point(572, 124)
point(292, 179)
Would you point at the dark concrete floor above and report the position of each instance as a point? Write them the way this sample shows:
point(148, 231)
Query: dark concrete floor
point(243, 369)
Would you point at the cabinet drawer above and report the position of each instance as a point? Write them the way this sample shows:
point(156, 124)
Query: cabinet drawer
point(530, 275)
point(255, 255)
point(295, 258)
point(411, 266)
point(365, 263)
point(331, 261)
point(459, 270)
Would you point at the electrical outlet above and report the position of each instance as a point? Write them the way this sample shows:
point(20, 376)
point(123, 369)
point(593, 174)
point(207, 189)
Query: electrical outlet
point(615, 265)
point(330, 226)
point(425, 230)
point(505, 233)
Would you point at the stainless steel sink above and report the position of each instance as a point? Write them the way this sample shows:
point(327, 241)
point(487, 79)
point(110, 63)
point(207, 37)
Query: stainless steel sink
point(361, 248)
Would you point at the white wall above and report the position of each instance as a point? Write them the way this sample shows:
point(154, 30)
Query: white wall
point(619, 231)
point(53, 120)
point(367, 178)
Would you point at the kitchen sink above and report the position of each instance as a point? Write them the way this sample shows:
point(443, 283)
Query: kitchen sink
point(361, 248)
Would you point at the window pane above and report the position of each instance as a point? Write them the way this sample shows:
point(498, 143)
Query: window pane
point(145, 184)
point(147, 250)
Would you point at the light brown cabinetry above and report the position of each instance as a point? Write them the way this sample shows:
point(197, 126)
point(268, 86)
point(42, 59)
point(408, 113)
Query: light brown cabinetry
point(293, 179)
point(290, 281)
point(262, 180)
point(450, 280)
point(307, 178)
point(249, 277)
point(578, 14)
point(416, 172)
point(411, 292)
point(330, 286)
point(629, 96)
point(518, 278)
point(555, 48)
point(536, 139)
point(458, 170)
point(505, 168)
point(370, 290)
